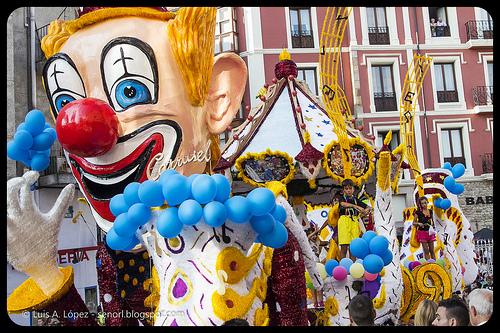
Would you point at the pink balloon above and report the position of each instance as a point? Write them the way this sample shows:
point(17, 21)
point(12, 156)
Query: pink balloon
point(370, 276)
point(339, 273)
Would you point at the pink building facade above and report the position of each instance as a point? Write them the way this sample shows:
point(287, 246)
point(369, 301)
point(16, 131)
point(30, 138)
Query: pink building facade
point(454, 120)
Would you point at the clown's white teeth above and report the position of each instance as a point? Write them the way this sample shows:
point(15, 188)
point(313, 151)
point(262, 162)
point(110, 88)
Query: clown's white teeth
point(109, 181)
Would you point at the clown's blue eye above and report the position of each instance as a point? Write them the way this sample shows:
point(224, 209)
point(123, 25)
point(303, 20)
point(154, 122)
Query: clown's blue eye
point(62, 100)
point(132, 92)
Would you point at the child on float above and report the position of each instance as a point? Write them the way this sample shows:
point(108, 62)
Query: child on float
point(423, 222)
point(349, 225)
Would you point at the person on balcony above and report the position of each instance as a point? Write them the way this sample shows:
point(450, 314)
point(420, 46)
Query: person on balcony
point(433, 27)
point(440, 27)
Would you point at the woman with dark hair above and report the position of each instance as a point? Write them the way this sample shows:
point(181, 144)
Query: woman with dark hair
point(425, 231)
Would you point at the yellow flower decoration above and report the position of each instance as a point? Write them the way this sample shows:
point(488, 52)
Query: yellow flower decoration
point(352, 142)
point(331, 306)
point(379, 302)
point(261, 316)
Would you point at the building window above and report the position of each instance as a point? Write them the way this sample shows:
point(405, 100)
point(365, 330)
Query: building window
point(301, 29)
point(378, 32)
point(483, 95)
point(453, 146)
point(225, 31)
point(383, 88)
point(446, 87)
point(439, 22)
point(309, 75)
point(395, 141)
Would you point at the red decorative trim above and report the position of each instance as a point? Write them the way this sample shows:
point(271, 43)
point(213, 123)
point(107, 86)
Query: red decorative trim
point(309, 153)
point(222, 164)
point(285, 68)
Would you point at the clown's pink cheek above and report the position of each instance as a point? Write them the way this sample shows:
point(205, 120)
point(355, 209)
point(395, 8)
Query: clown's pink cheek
point(87, 127)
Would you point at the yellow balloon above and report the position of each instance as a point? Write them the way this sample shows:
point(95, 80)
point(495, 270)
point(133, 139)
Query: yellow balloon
point(357, 270)
point(321, 270)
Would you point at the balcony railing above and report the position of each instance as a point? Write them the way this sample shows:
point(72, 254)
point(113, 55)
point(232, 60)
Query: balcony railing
point(479, 29)
point(447, 96)
point(483, 95)
point(455, 160)
point(378, 35)
point(58, 164)
point(385, 101)
point(40, 33)
point(302, 39)
point(487, 161)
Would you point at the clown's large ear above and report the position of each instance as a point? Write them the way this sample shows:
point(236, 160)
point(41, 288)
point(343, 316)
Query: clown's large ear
point(227, 85)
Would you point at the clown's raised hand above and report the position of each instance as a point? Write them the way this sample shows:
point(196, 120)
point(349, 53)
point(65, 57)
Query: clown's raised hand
point(32, 235)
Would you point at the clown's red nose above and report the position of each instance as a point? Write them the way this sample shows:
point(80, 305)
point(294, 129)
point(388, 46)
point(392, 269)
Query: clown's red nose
point(87, 127)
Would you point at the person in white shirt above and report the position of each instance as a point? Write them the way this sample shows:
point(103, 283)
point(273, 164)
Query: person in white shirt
point(480, 306)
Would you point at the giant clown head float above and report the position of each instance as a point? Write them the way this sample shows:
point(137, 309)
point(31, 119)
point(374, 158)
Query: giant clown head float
point(135, 91)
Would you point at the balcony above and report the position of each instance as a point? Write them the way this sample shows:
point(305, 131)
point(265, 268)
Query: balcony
point(487, 161)
point(483, 95)
point(450, 96)
point(479, 33)
point(440, 31)
point(378, 35)
point(385, 101)
point(302, 39)
point(58, 173)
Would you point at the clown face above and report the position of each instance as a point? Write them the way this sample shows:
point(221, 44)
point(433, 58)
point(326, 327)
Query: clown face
point(122, 107)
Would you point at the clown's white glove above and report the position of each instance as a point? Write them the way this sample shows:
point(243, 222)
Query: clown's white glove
point(32, 235)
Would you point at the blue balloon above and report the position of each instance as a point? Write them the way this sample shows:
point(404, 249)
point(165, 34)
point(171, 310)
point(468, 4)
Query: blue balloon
point(277, 238)
point(52, 132)
point(23, 139)
point(176, 189)
point(21, 126)
point(123, 226)
point(359, 261)
point(42, 141)
point(190, 180)
point(330, 265)
point(118, 205)
point(168, 223)
point(133, 242)
point(203, 189)
point(214, 214)
point(378, 245)
point(458, 170)
point(445, 204)
point(40, 162)
point(367, 236)
point(116, 242)
point(190, 212)
point(139, 214)
point(47, 125)
point(263, 224)
point(131, 193)
point(449, 183)
point(387, 257)
point(165, 174)
point(279, 213)
point(14, 153)
point(45, 152)
point(150, 193)
point(223, 187)
point(34, 122)
point(437, 202)
point(457, 189)
point(238, 209)
point(447, 165)
point(359, 248)
point(262, 201)
point(346, 263)
point(373, 263)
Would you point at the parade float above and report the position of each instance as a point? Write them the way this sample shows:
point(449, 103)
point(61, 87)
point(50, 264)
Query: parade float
point(224, 230)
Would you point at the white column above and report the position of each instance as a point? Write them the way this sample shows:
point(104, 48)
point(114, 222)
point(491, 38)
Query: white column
point(255, 57)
